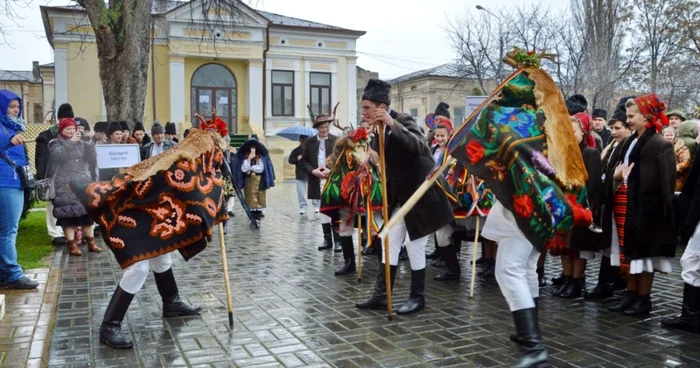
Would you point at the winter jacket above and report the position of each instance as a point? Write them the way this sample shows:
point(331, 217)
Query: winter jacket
point(687, 132)
point(41, 155)
point(70, 161)
point(683, 163)
point(581, 237)
point(293, 159)
point(148, 147)
point(16, 154)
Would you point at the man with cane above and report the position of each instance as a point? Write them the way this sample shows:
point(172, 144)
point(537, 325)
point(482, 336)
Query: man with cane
point(408, 162)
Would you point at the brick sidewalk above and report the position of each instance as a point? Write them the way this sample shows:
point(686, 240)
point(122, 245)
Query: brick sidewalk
point(290, 311)
point(25, 332)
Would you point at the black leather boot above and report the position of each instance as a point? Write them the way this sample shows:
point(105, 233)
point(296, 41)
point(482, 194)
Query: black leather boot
point(533, 351)
point(336, 240)
point(111, 333)
point(541, 279)
point(416, 300)
point(449, 254)
point(559, 281)
point(378, 299)
point(560, 289)
point(514, 337)
point(434, 254)
point(641, 306)
point(689, 320)
point(348, 255)
point(403, 254)
point(573, 289)
point(489, 269)
point(172, 305)
point(604, 287)
point(327, 237)
point(627, 301)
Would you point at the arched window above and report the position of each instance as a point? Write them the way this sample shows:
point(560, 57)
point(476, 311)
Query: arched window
point(213, 85)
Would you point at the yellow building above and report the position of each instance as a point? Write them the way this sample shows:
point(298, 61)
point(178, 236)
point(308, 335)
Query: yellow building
point(266, 69)
point(30, 86)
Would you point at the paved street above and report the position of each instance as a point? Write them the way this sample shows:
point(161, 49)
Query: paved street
point(290, 311)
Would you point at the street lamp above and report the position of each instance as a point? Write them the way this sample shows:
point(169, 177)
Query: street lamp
point(501, 44)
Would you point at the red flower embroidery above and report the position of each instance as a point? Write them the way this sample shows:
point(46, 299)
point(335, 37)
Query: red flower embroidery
point(168, 217)
point(475, 152)
point(347, 186)
point(522, 205)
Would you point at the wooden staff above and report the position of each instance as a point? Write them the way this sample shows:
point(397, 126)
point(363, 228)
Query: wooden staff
point(359, 248)
point(411, 202)
point(385, 215)
point(476, 244)
point(224, 263)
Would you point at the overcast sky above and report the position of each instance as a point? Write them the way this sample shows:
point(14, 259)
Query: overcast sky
point(403, 36)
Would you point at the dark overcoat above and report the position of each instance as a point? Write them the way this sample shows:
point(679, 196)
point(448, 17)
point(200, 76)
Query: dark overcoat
point(650, 229)
point(309, 163)
point(70, 161)
point(581, 237)
point(408, 164)
point(607, 198)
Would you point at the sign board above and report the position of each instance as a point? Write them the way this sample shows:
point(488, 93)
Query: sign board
point(116, 156)
point(471, 103)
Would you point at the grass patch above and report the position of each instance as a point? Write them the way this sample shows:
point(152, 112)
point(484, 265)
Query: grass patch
point(33, 243)
point(39, 204)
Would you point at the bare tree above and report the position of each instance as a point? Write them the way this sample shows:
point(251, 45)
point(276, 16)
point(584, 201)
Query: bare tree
point(10, 15)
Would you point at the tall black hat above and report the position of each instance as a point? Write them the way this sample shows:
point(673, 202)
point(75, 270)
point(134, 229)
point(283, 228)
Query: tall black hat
point(576, 103)
point(124, 125)
point(101, 127)
point(377, 91)
point(170, 128)
point(600, 113)
point(139, 126)
point(113, 127)
point(620, 113)
point(443, 109)
point(65, 111)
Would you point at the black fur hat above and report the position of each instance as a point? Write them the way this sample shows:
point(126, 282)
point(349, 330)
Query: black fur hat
point(600, 113)
point(170, 128)
point(377, 91)
point(113, 127)
point(139, 126)
point(101, 127)
point(443, 109)
point(576, 103)
point(124, 125)
point(620, 113)
point(65, 111)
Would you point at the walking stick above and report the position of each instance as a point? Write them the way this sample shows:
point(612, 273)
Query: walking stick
point(476, 244)
point(385, 215)
point(359, 248)
point(224, 263)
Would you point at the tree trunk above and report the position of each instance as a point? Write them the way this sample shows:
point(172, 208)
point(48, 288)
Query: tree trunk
point(123, 33)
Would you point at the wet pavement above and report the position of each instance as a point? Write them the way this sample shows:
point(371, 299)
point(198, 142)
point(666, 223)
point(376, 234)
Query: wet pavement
point(290, 311)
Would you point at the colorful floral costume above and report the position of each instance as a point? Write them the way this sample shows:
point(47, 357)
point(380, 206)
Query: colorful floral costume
point(353, 183)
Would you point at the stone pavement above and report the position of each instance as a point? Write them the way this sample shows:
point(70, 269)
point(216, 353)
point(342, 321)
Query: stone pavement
point(25, 332)
point(290, 311)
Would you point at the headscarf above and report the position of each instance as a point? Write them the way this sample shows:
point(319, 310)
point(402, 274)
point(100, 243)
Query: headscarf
point(65, 123)
point(652, 107)
point(585, 121)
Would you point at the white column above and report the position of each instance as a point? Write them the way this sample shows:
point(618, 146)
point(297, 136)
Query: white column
point(255, 93)
point(61, 81)
point(299, 109)
point(177, 91)
point(352, 93)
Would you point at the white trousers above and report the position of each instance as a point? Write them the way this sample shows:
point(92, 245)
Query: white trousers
point(135, 275)
point(690, 261)
point(346, 229)
point(444, 235)
point(54, 230)
point(516, 272)
point(398, 235)
point(324, 219)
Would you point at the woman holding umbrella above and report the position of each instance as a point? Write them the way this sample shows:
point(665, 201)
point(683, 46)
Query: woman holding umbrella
point(254, 174)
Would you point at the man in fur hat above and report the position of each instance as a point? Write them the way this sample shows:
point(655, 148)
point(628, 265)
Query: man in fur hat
point(126, 132)
point(313, 162)
point(408, 163)
point(139, 136)
point(600, 122)
point(41, 163)
point(171, 132)
point(100, 136)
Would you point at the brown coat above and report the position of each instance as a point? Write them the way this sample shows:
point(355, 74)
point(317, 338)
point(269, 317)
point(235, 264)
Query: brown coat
point(650, 229)
point(309, 162)
point(682, 165)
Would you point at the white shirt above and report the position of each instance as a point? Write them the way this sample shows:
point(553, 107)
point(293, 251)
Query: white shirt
point(157, 149)
point(629, 151)
point(257, 168)
point(322, 152)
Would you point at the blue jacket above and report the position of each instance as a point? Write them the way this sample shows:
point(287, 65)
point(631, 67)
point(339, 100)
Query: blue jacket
point(8, 129)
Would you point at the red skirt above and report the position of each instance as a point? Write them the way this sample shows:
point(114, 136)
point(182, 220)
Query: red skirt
point(620, 214)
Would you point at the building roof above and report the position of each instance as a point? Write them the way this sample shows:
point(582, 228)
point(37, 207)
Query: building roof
point(161, 7)
point(451, 70)
point(17, 76)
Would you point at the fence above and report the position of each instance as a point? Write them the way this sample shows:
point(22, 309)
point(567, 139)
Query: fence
point(32, 132)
